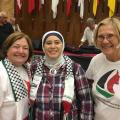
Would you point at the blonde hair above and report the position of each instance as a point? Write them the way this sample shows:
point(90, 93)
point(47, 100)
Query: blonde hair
point(114, 22)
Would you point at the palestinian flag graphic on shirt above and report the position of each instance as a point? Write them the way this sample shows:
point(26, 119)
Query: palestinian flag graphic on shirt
point(108, 83)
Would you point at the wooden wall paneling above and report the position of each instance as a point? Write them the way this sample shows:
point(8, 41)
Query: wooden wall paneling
point(88, 9)
point(72, 26)
point(99, 12)
point(105, 9)
point(117, 13)
point(75, 17)
point(91, 9)
point(62, 24)
point(70, 19)
point(27, 22)
point(38, 24)
point(69, 34)
point(50, 22)
point(117, 8)
point(76, 30)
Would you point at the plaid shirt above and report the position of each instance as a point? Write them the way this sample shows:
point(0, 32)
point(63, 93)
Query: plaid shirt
point(48, 104)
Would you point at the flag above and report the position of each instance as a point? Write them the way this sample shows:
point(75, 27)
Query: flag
point(68, 7)
point(31, 5)
point(42, 2)
point(18, 6)
point(111, 5)
point(95, 4)
point(54, 7)
point(81, 5)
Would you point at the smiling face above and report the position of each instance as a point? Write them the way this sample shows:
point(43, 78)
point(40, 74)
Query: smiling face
point(107, 41)
point(18, 52)
point(53, 47)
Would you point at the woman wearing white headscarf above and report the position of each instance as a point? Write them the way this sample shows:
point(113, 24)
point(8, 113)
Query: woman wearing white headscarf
point(58, 84)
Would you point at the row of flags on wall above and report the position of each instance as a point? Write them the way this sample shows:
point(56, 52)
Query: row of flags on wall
point(31, 5)
point(54, 4)
point(111, 5)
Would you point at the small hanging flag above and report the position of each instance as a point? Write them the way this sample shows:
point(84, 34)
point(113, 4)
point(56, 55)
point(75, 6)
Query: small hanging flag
point(111, 5)
point(42, 2)
point(81, 5)
point(31, 5)
point(95, 5)
point(18, 6)
point(54, 7)
point(68, 7)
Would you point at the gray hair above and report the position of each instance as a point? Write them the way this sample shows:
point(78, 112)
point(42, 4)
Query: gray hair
point(90, 21)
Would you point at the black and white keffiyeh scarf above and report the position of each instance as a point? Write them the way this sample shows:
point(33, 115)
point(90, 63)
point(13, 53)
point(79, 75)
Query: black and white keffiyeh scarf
point(69, 80)
point(16, 81)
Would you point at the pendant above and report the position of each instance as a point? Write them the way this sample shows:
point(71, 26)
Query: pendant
point(53, 71)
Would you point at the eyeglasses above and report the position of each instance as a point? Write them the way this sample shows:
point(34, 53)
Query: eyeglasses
point(108, 37)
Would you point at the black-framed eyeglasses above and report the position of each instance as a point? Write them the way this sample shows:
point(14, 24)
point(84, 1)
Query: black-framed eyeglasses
point(108, 37)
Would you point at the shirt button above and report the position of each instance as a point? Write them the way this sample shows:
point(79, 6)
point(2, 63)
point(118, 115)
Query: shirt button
point(51, 97)
point(51, 113)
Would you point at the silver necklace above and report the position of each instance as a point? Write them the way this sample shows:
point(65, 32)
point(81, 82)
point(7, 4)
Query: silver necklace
point(53, 71)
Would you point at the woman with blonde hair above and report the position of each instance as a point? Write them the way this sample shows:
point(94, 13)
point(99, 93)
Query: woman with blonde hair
point(104, 70)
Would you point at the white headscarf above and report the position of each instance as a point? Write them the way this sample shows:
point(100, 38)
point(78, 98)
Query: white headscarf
point(53, 63)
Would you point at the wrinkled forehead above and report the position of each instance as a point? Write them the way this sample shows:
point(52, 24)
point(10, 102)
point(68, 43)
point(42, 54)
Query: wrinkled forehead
point(107, 28)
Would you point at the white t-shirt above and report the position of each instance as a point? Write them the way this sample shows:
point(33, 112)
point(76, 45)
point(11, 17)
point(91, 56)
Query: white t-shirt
point(88, 35)
point(9, 109)
point(106, 87)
